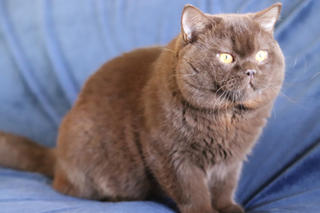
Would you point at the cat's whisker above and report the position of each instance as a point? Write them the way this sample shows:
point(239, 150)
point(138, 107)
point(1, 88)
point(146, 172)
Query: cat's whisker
point(287, 97)
point(276, 87)
point(221, 99)
point(169, 50)
point(219, 89)
point(182, 75)
point(315, 75)
point(189, 74)
point(281, 93)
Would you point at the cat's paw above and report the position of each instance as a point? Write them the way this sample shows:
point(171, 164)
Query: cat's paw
point(232, 208)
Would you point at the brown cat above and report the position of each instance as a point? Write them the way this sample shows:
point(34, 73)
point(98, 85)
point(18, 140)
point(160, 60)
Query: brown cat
point(180, 118)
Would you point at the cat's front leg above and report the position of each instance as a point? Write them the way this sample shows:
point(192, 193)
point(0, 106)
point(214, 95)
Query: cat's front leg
point(222, 188)
point(185, 184)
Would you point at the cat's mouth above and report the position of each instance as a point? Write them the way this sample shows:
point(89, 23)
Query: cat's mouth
point(252, 85)
point(246, 91)
point(249, 83)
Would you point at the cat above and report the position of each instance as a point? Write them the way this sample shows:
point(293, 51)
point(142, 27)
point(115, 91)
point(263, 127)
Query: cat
point(178, 120)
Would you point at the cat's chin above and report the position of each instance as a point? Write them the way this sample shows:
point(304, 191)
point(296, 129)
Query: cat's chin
point(248, 93)
point(251, 98)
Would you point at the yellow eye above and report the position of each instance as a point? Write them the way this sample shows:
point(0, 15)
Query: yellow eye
point(261, 55)
point(225, 58)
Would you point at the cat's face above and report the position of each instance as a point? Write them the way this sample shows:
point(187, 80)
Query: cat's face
point(229, 58)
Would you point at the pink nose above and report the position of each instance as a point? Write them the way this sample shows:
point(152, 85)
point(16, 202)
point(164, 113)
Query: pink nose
point(250, 72)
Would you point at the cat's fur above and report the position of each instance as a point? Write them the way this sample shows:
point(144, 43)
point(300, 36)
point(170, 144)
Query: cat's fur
point(172, 119)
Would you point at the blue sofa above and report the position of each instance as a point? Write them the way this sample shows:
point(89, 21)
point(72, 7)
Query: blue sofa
point(48, 49)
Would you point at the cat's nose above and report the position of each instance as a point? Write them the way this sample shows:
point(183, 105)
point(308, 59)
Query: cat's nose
point(250, 72)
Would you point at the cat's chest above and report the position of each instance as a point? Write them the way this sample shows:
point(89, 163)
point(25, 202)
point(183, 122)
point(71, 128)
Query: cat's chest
point(215, 125)
point(213, 137)
point(218, 172)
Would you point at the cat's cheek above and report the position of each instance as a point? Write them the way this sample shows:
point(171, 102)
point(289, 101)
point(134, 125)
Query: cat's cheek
point(189, 93)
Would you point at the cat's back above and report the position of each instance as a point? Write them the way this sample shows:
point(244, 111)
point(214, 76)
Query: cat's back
point(111, 97)
point(120, 80)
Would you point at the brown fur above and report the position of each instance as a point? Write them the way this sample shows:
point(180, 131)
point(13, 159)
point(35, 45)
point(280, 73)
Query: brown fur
point(173, 117)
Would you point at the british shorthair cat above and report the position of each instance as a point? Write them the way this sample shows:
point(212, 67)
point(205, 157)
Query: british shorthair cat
point(178, 119)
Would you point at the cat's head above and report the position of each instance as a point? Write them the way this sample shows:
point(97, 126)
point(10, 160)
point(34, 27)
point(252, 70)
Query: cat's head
point(229, 58)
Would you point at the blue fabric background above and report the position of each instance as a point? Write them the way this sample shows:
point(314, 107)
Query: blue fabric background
point(48, 48)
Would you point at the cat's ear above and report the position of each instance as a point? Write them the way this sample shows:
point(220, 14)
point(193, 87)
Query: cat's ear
point(267, 18)
point(193, 22)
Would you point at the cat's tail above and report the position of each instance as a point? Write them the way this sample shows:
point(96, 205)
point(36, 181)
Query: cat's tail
point(21, 153)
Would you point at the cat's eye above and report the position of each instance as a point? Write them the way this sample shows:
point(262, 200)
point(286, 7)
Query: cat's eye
point(225, 58)
point(261, 55)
